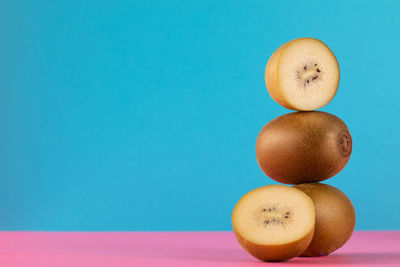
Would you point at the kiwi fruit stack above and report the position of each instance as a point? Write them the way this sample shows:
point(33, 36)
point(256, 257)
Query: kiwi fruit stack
point(301, 148)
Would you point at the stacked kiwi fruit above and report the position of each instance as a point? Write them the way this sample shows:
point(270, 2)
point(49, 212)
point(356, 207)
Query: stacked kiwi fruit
point(302, 148)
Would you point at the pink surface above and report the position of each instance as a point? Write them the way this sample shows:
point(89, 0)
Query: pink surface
point(175, 249)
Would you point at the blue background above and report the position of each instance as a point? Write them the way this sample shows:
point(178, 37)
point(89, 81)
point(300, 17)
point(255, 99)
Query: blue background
point(143, 115)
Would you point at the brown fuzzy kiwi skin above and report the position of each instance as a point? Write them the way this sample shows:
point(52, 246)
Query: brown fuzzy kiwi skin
point(335, 218)
point(271, 78)
point(303, 147)
point(272, 75)
point(275, 252)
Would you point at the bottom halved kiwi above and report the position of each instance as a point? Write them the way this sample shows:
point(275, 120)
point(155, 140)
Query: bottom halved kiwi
point(274, 222)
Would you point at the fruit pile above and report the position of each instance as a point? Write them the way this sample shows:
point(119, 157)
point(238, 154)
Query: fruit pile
point(303, 148)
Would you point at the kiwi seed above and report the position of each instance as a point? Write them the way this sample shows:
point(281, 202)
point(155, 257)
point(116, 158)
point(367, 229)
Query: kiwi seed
point(308, 74)
point(273, 215)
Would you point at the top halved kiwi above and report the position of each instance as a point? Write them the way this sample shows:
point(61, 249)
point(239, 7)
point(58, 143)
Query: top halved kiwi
point(302, 74)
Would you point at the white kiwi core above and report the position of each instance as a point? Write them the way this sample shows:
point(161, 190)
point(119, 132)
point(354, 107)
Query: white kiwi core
point(274, 214)
point(308, 74)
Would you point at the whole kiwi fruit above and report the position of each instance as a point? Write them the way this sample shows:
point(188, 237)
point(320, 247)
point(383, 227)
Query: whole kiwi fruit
point(334, 218)
point(303, 147)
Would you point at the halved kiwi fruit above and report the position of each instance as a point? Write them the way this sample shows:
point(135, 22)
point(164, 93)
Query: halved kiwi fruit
point(335, 218)
point(303, 147)
point(274, 222)
point(302, 74)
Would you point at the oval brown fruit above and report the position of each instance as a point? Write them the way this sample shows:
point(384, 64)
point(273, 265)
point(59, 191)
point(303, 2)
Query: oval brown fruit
point(334, 218)
point(303, 147)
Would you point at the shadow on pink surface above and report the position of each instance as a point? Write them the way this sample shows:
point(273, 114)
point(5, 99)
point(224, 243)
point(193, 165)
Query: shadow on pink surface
point(176, 249)
point(235, 256)
point(364, 248)
point(351, 259)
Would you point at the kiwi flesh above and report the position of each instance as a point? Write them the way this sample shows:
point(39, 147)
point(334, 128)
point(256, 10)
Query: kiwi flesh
point(335, 218)
point(274, 222)
point(302, 74)
point(303, 147)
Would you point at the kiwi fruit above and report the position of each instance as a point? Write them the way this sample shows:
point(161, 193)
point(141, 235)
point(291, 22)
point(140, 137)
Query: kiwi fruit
point(303, 147)
point(302, 74)
point(335, 218)
point(274, 222)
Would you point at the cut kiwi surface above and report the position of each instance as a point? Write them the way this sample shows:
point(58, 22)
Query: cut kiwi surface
point(303, 147)
point(335, 218)
point(274, 222)
point(302, 74)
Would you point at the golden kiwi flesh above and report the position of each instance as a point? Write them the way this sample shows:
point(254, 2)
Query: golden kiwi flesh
point(274, 222)
point(302, 74)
